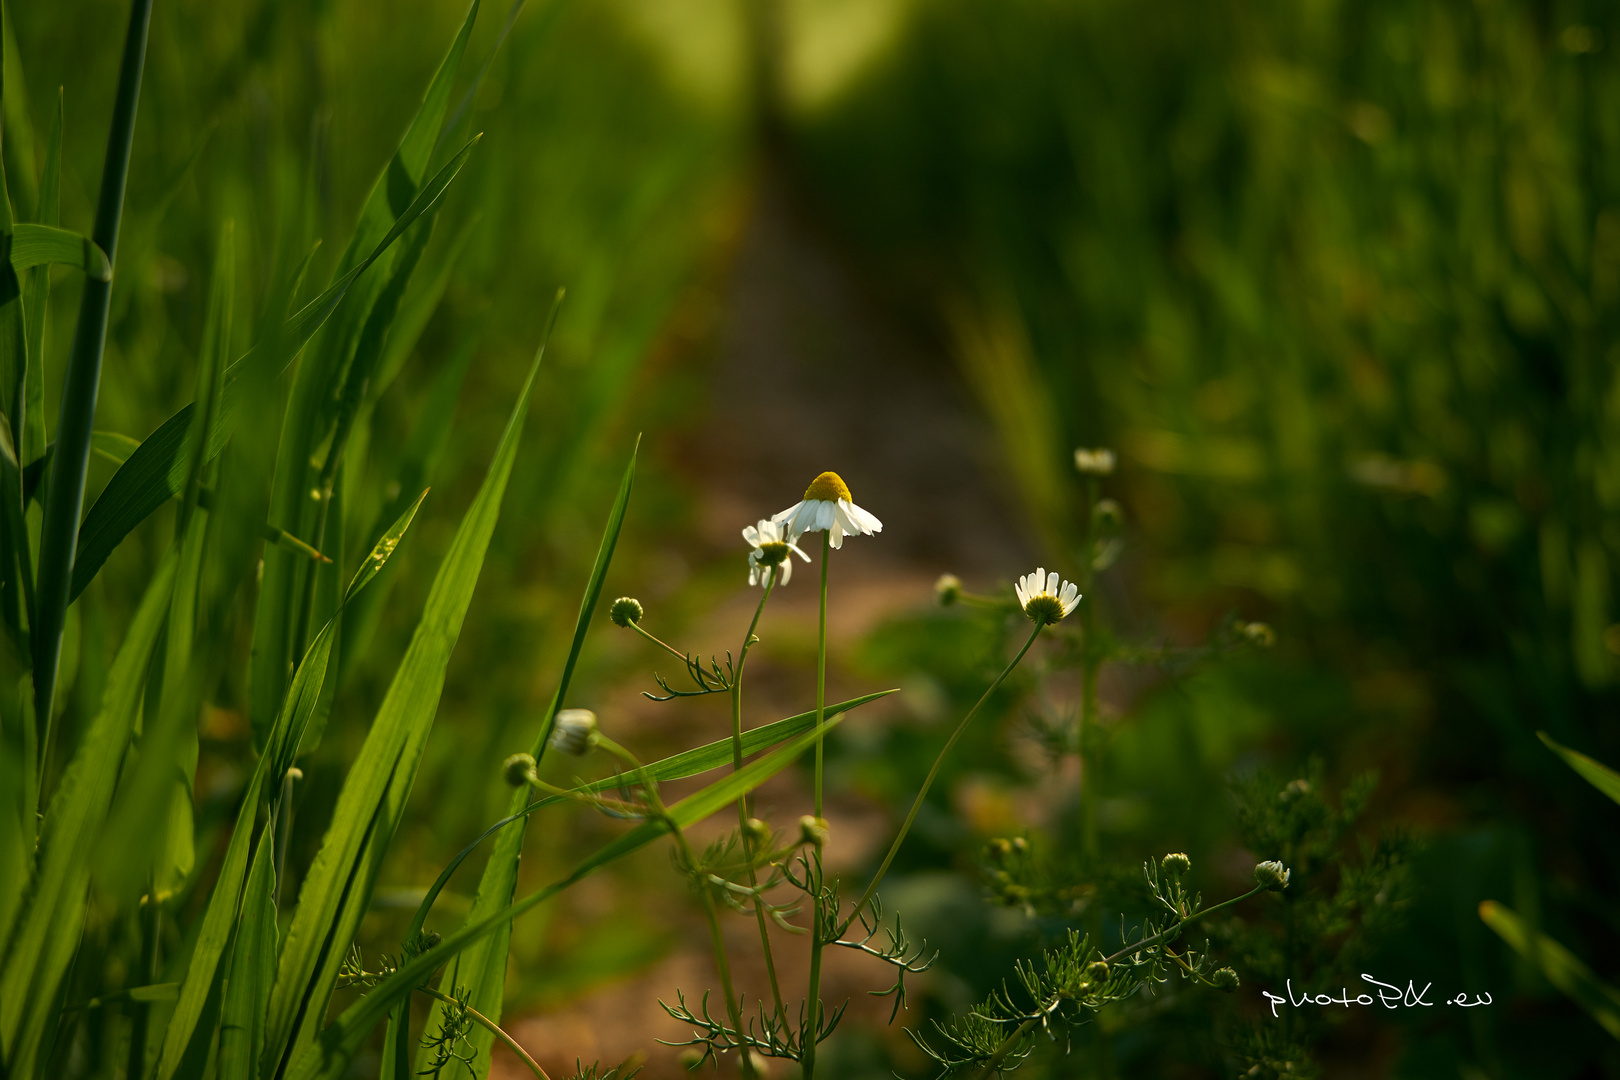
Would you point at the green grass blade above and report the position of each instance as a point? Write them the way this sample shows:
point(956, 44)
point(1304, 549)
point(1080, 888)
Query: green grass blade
point(1561, 967)
point(157, 471)
point(1593, 772)
point(36, 297)
point(64, 499)
point(38, 245)
point(482, 969)
point(253, 965)
point(48, 934)
point(329, 1058)
point(337, 889)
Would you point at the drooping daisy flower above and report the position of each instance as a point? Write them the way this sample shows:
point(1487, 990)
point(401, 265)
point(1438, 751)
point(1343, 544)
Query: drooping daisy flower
point(1042, 597)
point(771, 547)
point(827, 505)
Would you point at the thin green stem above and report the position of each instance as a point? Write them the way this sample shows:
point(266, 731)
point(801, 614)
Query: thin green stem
point(928, 781)
point(733, 1007)
point(1091, 662)
point(813, 991)
point(666, 646)
point(491, 1026)
point(64, 496)
point(742, 803)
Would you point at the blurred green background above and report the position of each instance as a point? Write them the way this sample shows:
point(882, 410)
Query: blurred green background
point(1341, 283)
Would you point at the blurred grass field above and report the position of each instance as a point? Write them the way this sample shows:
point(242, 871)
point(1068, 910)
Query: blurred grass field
point(1340, 283)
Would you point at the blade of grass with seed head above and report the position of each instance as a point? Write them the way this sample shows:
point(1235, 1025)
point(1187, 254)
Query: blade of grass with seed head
point(482, 970)
point(64, 497)
point(156, 472)
point(337, 889)
point(329, 1058)
point(44, 942)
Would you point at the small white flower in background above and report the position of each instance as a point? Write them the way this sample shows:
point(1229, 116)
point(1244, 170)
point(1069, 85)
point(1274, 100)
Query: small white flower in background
point(1271, 874)
point(827, 505)
point(771, 546)
point(1044, 597)
point(1098, 462)
point(572, 731)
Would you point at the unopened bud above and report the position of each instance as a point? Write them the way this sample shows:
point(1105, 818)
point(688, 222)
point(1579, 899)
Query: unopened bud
point(1294, 790)
point(998, 849)
point(1176, 863)
point(690, 1058)
point(1271, 874)
point(1098, 462)
point(625, 610)
point(518, 769)
point(813, 830)
point(572, 731)
point(756, 832)
point(1097, 971)
point(1258, 633)
point(1225, 978)
point(948, 589)
point(1108, 516)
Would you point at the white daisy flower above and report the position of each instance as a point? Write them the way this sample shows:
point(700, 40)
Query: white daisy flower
point(771, 547)
point(1043, 598)
point(827, 505)
point(572, 730)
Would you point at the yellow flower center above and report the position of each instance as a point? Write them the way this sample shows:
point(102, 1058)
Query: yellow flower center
point(828, 487)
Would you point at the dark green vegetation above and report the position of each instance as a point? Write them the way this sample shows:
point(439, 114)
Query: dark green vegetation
point(1340, 283)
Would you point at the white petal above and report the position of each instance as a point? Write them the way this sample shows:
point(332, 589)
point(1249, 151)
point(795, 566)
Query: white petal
point(797, 550)
point(751, 534)
point(785, 568)
point(753, 574)
point(1052, 583)
point(864, 521)
point(788, 513)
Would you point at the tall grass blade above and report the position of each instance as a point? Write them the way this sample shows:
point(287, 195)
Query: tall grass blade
point(253, 966)
point(64, 497)
point(1562, 968)
point(281, 620)
point(482, 969)
point(337, 889)
point(44, 942)
point(329, 1058)
point(36, 300)
point(157, 471)
point(39, 245)
point(1593, 772)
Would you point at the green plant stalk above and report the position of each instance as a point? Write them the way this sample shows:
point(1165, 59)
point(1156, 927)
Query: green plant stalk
point(933, 771)
point(813, 992)
point(662, 644)
point(1011, 1042)
point(64, 498)
point(742, 803)
point(491, 1026)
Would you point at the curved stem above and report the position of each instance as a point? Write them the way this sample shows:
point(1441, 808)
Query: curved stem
point(928, 781)
point(666, 646)
point(491, 1026)
point(742, 803)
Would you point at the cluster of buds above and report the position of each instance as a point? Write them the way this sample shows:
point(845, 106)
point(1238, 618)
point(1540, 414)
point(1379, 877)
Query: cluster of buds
point(1095, 462)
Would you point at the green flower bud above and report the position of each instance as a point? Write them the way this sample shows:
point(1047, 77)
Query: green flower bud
point(813, 830)
point(1225, 978)
point(948, 589)
point(998, 849)
point(1271, 874)
point(1108, 515)
point(1294, 790)
point(690, 1058)
point(1176, 863)
point(518, 769)
point(756, 832)
point(625, 610)
point(1097, 971)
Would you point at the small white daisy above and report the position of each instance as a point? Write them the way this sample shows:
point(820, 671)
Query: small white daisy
point(572, 730)
point(1043, 598)
point(771, 547)
point(827, 505)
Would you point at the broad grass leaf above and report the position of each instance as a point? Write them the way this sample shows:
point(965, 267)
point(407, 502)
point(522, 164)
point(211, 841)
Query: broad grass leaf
point(253, 965)
point(36, 300)
point(38, 245)
point(44, 942)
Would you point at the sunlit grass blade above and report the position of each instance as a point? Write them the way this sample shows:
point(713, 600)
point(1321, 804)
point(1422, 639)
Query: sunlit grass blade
point(64, 497)
point(156, 472)
point(483, 969)
point(253, 965)
point(1593, 772)
point(337, 889)
point(330, 1057)
point(44, 941)
point(1562, 968)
